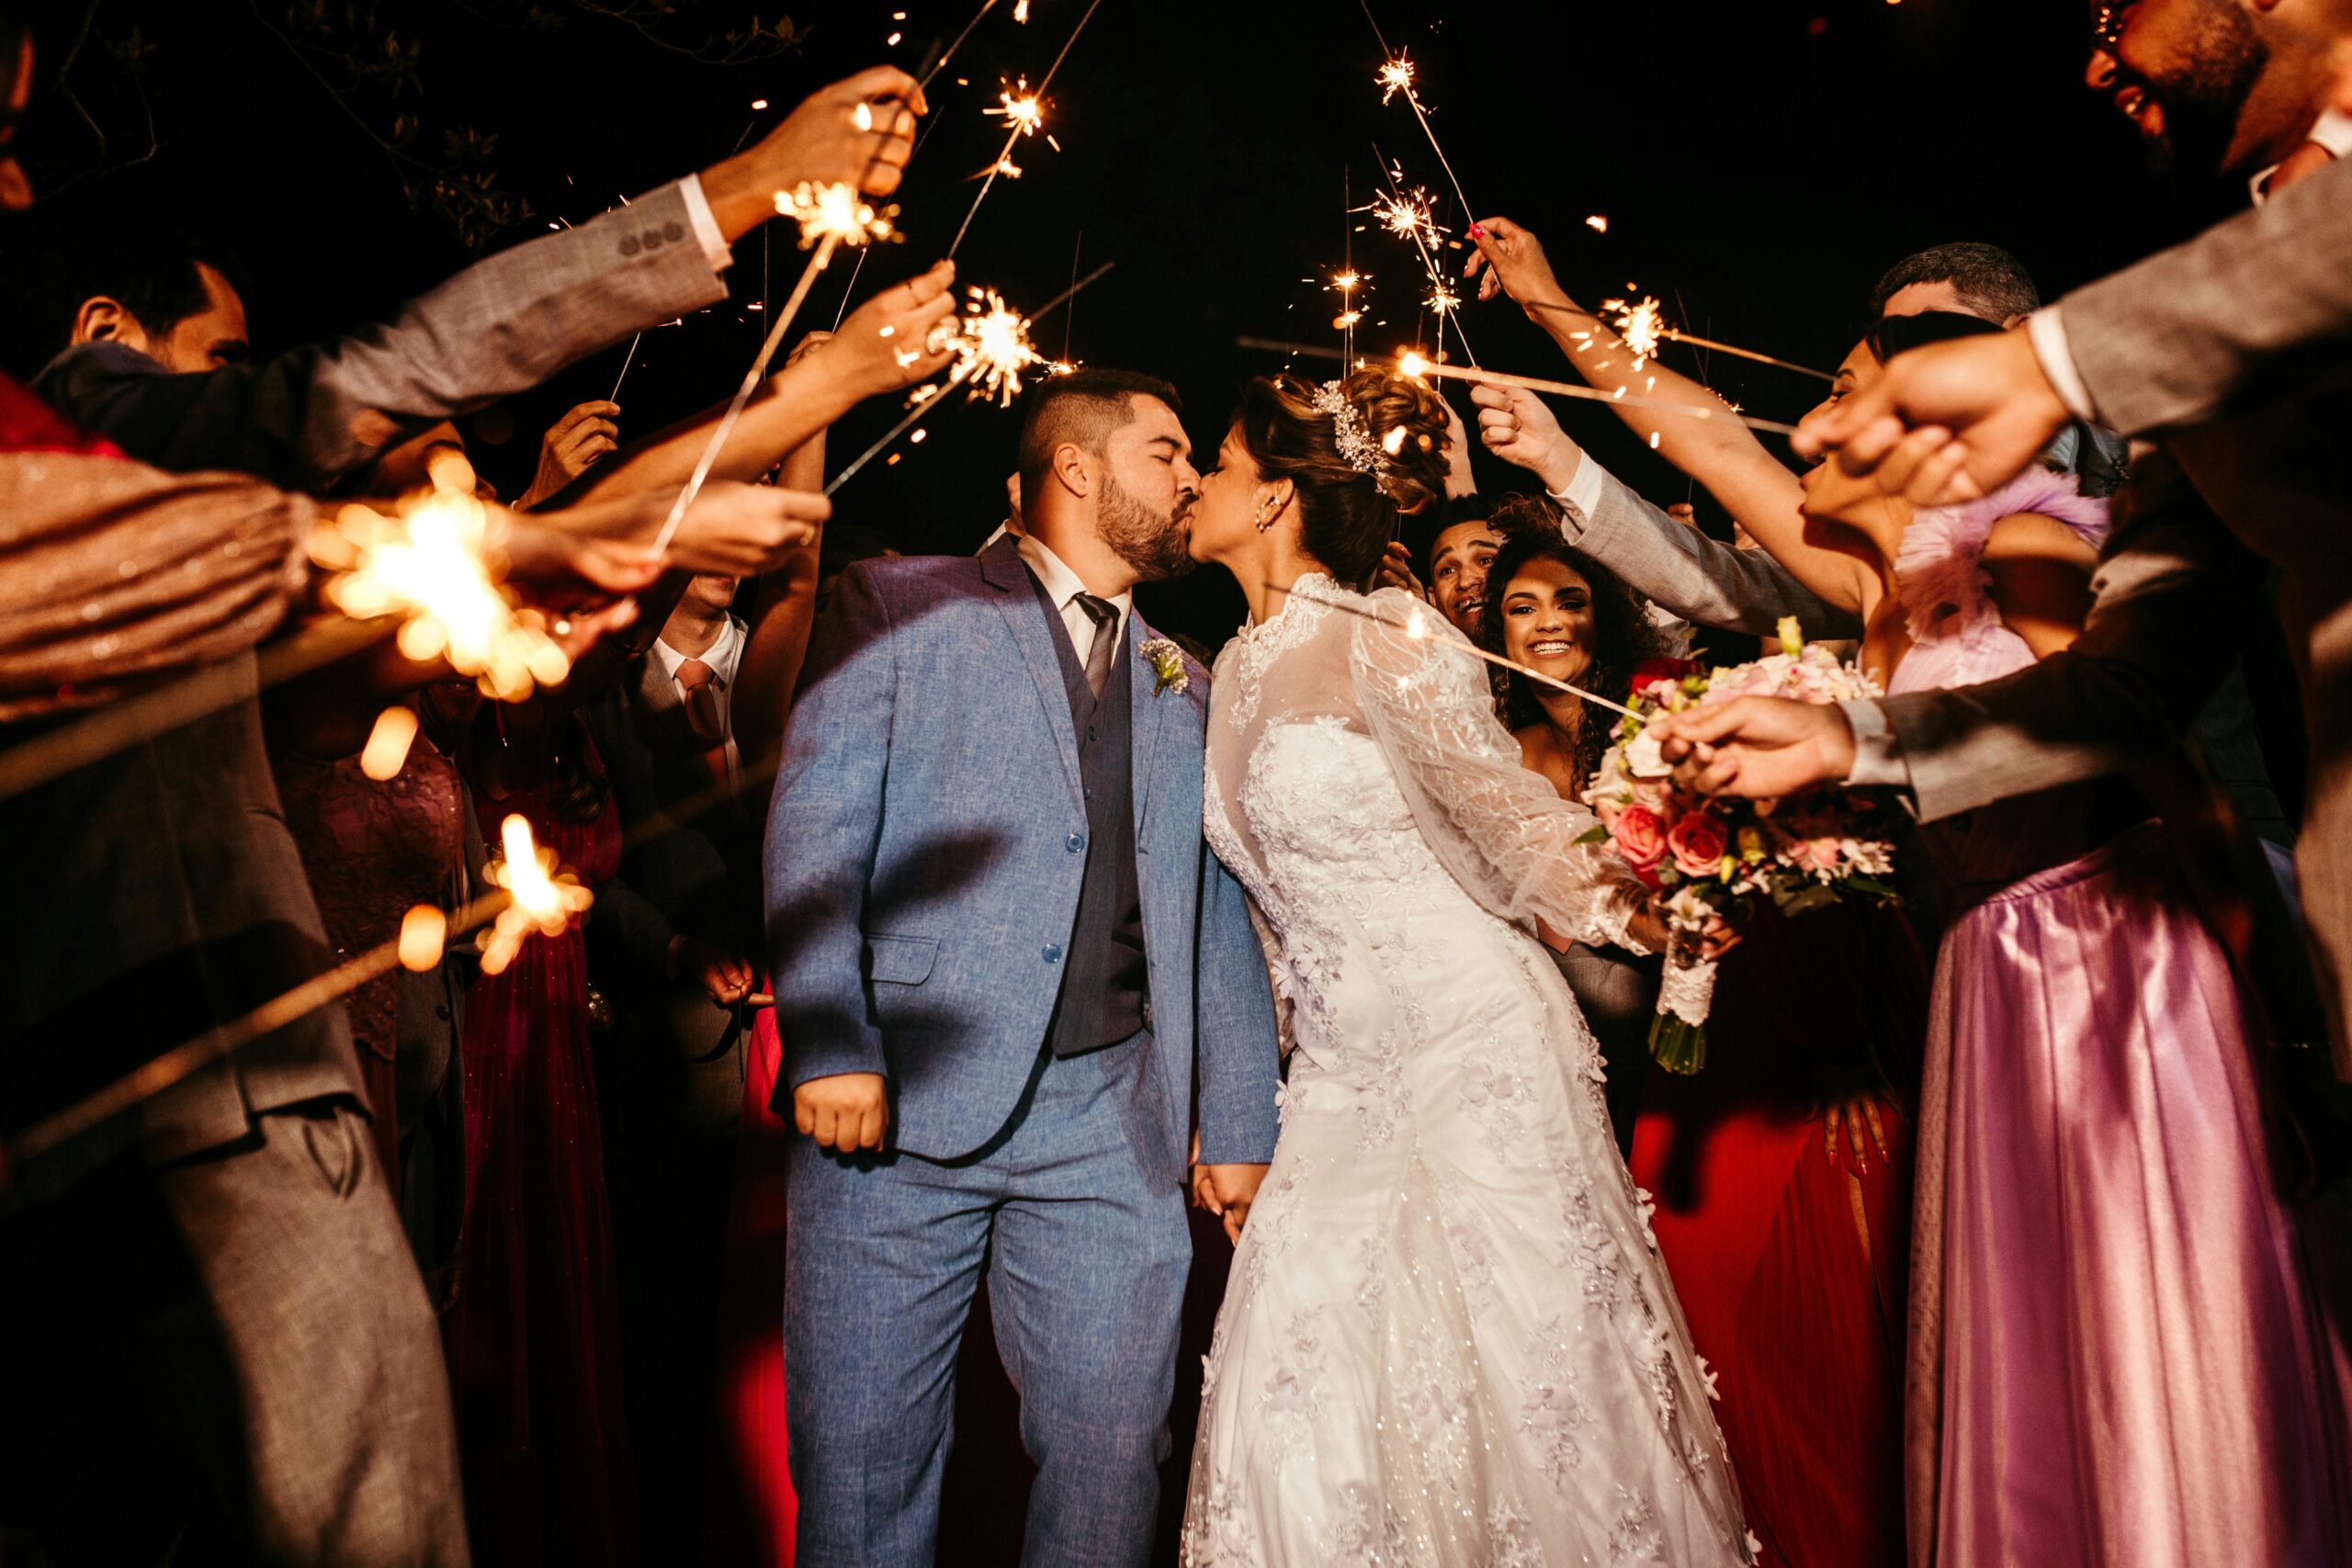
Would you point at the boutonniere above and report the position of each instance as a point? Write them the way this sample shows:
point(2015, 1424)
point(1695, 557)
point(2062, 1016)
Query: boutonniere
point(1167, 667)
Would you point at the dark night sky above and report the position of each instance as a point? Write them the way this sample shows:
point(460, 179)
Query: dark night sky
point(1761, 163)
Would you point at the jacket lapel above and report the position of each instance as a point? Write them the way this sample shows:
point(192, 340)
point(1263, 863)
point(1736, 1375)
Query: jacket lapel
point(1146, 715)
point(1024, 616)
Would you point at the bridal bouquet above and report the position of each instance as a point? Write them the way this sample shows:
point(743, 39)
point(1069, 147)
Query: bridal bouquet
point(1714, 857)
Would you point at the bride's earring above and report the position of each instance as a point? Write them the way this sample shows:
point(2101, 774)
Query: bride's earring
point(1266, 515)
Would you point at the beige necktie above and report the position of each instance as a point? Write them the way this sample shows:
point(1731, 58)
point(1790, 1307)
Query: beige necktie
point(705, 717)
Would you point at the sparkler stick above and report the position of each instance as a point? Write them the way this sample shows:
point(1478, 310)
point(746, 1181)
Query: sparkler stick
point(1023, 116)
point(829, 216)
point(940, 64)
point(1416, 625)
point(625, 361)
point(1412, 364)
point(955, 379)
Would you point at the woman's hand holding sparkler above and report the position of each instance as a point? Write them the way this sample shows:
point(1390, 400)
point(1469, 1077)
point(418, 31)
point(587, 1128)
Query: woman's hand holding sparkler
point(740, 530)
point(859, 132)
point(1510, 260)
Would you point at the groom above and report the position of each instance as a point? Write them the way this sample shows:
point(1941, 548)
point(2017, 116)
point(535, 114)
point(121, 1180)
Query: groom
point(1010, 977)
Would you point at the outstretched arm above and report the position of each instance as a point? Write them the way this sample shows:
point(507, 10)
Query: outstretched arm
point(882, 347)
point(1720, 453)
point(1675, 567)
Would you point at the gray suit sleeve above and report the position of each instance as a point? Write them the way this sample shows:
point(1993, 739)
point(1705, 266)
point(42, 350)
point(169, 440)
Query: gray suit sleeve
point(306, 418)
point(1683, 571)
point(2172, 589)
point(2190, 332)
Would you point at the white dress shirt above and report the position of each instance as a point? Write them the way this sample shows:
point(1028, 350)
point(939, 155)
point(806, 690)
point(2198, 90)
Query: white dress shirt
point(725, 657)
point(1062, 587)
point(705, 226)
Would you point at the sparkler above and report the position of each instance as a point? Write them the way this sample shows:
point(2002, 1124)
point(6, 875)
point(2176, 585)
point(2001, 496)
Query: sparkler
point(1394, 76)
point(1023, 121)
point(829, 216)
point(427, 565)
point(1409, 213)
point(1644, 326)
point(1412, 363)
point(992, 353)
point(626, 360)
point(538, 898)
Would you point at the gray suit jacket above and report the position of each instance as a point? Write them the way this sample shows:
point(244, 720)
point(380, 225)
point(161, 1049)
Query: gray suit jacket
point(1685, 572)
point(503, 326)
point(2235, 349)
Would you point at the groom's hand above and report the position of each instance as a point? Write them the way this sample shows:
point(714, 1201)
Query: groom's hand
point(846, 1111)
point(1228, 1190)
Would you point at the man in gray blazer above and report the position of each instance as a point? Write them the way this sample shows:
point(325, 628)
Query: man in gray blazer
point(2232, 350)
point(220, 1302)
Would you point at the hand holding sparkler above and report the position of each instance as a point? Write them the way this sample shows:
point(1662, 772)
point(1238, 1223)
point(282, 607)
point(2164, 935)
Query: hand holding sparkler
point(571, 447)
point(858, 133)
point(1512, 261)
point(1515, 425)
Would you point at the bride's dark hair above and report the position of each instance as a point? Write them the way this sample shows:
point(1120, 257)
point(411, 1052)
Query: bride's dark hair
point(1346, 515)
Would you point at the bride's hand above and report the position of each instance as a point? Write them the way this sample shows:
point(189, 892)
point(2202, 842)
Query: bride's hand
point(1650, 927)
point(1227, 1191)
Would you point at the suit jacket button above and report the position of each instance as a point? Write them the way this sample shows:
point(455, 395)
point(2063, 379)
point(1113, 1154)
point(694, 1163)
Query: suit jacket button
point(1052, 953)
point(653, 238)
point(1075, 842)
point(673, 232)
point(628, 245)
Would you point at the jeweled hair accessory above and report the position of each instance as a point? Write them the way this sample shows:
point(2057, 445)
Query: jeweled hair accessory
point(1349, 431)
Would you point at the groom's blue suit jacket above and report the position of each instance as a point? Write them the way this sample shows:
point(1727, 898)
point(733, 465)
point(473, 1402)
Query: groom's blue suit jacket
point(923, 863)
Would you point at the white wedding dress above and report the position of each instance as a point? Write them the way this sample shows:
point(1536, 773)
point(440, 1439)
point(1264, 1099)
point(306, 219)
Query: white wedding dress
point(1449, 1339)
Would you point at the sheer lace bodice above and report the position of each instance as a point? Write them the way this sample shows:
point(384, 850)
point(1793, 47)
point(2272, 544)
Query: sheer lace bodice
point(1349, 747)
point(1448, 1341)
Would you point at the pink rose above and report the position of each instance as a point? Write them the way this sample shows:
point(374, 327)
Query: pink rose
point(1698, 842)
point(1640, 837)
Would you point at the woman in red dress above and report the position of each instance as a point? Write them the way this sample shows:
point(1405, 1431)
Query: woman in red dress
point(532, 1339)
point(1781, 1173)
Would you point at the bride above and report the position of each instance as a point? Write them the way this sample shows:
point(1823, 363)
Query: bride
point(1449, 1339)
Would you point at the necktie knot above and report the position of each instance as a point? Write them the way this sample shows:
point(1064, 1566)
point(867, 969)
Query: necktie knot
point(694, 674)
point(1102, 611)
point(705, 715)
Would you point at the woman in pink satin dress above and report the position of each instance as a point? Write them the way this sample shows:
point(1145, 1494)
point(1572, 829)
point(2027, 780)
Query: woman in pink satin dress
point(2116, 1353)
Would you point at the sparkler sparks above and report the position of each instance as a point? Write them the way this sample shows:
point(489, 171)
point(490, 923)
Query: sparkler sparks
point(1395, 76)
point(1022, 113)
point(1409, 214)
point(992, 348)
point(428, 564)
point(544, 901)
point(1641, 326)
point(837, 213)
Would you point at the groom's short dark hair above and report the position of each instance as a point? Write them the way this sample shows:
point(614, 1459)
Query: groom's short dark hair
point(1082, 408)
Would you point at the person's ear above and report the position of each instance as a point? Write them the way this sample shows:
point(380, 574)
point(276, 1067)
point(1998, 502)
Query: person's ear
point(1072, 469)
point(102, 320)
point(1272, 498)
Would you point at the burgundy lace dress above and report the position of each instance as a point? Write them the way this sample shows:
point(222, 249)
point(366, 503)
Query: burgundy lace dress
point(372, 850)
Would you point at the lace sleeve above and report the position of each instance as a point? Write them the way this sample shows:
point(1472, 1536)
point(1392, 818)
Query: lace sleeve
point(1504, 832)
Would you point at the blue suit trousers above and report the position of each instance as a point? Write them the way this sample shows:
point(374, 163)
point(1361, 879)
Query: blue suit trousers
point(1085, 1264)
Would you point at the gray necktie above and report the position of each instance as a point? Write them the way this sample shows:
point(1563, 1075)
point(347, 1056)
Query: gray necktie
point(1105, 616)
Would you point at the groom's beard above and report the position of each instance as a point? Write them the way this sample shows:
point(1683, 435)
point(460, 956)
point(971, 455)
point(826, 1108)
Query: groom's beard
point(2203, 98)
point(1157, 545)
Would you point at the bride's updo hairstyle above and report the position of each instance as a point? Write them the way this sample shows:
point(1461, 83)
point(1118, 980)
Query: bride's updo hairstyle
point(1361, 452)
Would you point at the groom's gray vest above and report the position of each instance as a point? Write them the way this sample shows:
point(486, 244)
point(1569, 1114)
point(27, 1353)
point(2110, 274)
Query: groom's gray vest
point(1103, 984)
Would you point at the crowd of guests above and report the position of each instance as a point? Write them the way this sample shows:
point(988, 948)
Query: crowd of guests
point(2011, 1220)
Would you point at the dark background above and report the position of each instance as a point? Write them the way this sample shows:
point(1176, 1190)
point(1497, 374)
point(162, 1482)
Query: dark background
point(1759, 164)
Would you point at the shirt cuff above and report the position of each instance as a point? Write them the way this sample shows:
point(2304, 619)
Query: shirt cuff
point(706, 227)
point(1878, 756)
point(1578, 497)
point(2047, 330)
